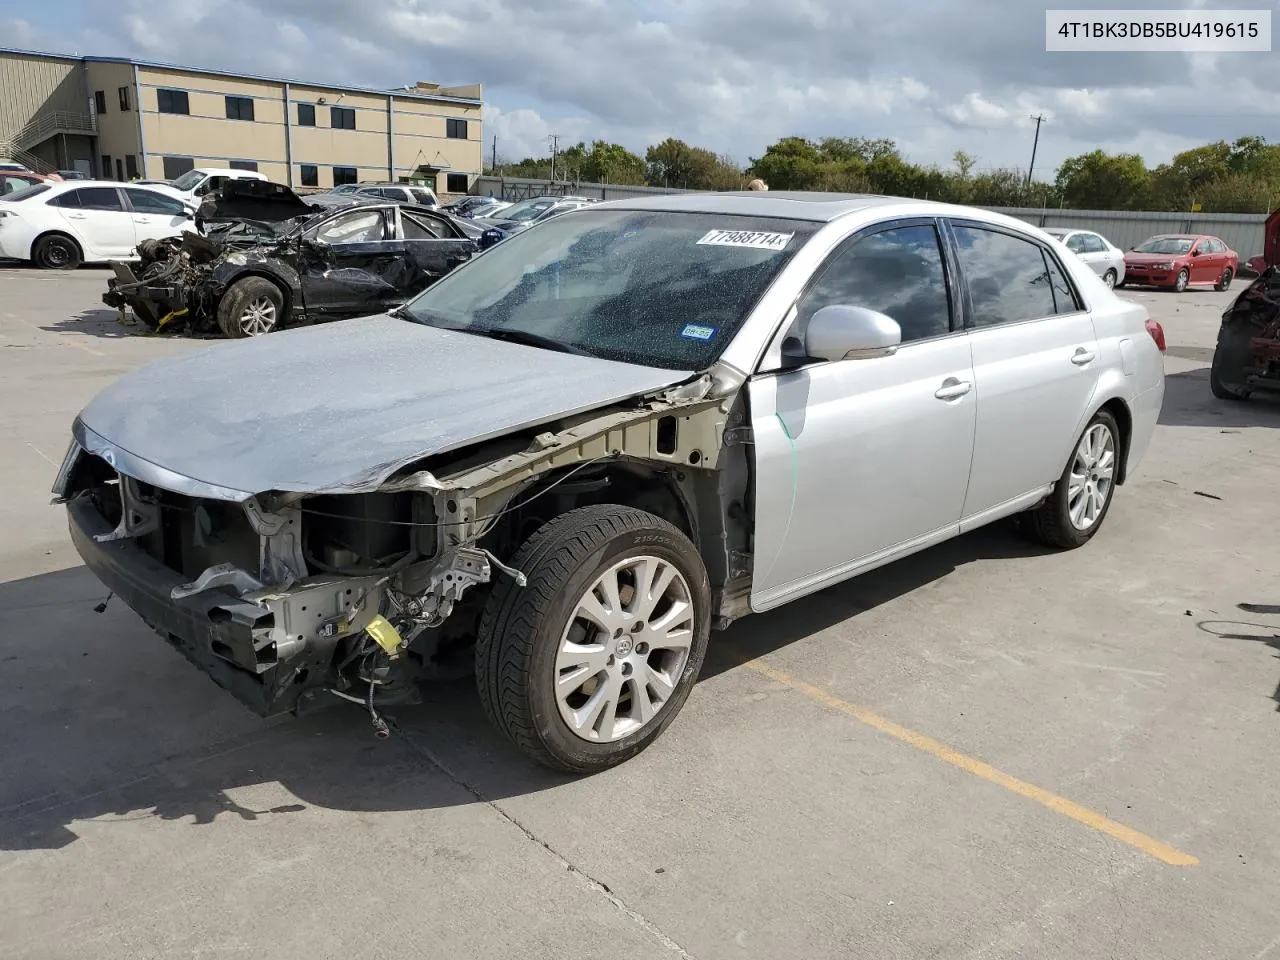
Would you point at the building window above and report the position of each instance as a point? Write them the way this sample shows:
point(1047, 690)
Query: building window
point(244, 165)
point(239, 108)
point(119, 169)
point(106, 166)
point(124, 97)
point(342, 118)
point(310, 175)
point(343, 175)
point(455, 129)
point(306, 115)
point(172, 101)
point(456, 182)
point(174, 167)
point(131, 166)
point(100, 101)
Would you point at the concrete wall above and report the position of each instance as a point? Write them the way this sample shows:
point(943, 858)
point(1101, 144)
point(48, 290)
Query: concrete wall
point(30, 85)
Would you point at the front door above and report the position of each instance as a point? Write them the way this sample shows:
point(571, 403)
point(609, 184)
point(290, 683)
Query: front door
point(352, 264)
point(156, 216)
point(98, 219)
point(1035, 361)
point(857, 461)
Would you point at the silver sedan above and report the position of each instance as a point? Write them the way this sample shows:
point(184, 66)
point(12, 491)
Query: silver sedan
point(1104, 257)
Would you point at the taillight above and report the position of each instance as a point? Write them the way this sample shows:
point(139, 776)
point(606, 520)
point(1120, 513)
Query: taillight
point(1157, 334)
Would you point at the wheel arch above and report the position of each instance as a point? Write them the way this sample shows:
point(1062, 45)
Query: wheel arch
point(226, 283)
point(1119, 409)
point(45, 234)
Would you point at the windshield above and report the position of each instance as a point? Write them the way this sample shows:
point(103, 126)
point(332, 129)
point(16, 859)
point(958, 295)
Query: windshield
point(1171, 245)
point(660, 289)
point(528, 210)
point(188, 180)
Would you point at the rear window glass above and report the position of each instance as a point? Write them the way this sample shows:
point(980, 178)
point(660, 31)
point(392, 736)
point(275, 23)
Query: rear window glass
point(26, 193)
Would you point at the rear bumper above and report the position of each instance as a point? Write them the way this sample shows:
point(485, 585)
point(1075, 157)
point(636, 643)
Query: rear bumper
point(213, 630)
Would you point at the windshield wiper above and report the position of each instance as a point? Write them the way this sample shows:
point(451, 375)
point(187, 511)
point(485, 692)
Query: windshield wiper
point(530, 339)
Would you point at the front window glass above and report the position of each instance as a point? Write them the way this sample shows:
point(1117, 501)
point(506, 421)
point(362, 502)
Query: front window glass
point(1174, 246)
point(188, 180)
point(25, 193)
point(360, 226)
point(661, 289)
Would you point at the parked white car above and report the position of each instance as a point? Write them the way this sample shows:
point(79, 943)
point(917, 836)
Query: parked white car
point(194, 184)
point(59, 226)
point(1106, 259)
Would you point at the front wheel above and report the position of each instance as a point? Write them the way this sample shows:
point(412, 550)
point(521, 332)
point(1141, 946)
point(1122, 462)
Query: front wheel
point(252, 307)
point(57, 252)
point(1082, 496)
point(588, 663)
point(1180, 282)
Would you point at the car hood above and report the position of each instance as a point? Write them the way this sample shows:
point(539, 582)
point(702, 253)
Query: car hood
point(340, 407)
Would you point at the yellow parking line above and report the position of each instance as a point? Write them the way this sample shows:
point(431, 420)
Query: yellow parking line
point(1090, 818)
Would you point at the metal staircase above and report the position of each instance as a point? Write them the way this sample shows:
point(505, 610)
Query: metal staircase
point(17, 145)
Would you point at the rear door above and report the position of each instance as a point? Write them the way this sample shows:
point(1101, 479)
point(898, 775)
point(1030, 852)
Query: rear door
point(156, 216)
point(433, 247)
point(352, 264)
point(97, 217)
point(1035, 361)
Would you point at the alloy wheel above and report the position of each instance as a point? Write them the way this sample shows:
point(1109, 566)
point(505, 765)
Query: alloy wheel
point(624, 649)
point(1092, 476)
point(258, 317)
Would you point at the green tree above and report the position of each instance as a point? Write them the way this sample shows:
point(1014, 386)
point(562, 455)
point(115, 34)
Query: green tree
point(1102, 181)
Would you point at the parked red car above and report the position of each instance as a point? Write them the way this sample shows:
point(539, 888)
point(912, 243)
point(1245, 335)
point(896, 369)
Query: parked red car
point(1178, 260)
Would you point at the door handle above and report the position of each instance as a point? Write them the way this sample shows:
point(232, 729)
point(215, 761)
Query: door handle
point(1082, 356)
point(953, 389)
point(141, 219)
point(76, 216)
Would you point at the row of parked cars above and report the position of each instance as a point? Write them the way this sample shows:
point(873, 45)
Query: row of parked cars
point(1173, 261)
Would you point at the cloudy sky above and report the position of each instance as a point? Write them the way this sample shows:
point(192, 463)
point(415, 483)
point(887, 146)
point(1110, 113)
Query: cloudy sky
point(732, 75)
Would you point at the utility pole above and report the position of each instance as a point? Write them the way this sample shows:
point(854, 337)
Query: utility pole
point(555, 146)
point(1039, 119)
point(493, 164)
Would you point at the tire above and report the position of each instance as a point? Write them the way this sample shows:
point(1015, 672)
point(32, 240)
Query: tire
point(57, 251)
point(519, 655)
point(252, 307)
point(1231, 352)
point(1224, 282)
point(1109, 278)
point(1180, 282)
point(1052, 522)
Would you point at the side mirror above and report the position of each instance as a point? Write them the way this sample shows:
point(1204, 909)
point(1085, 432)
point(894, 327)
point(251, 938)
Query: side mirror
point(841, 332)
point(1196, 253)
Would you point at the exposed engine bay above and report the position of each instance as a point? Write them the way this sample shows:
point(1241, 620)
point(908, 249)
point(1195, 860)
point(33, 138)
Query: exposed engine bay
point(364, 592)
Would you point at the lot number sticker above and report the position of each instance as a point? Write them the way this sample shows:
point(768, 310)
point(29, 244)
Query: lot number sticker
point(754, 239)
point(693, 331)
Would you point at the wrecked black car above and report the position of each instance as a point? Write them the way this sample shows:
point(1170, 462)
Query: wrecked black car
point(1247, 356)
point(265, 258)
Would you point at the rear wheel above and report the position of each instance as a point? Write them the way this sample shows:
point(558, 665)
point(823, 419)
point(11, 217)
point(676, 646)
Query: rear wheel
point(57, 251)
point(1227, 369)
point(253, 306)
point(1109, 278)
point(587, 664)
point(1082, 496)
point(1224, 281)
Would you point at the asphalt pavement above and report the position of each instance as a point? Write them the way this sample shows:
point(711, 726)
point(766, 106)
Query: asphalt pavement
point(984, 751)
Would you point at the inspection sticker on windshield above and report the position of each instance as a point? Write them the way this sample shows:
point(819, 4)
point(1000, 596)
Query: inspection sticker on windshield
point(693, 331)
point(755, 239)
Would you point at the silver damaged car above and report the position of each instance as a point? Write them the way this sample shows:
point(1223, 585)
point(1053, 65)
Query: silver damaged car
point(566, 463)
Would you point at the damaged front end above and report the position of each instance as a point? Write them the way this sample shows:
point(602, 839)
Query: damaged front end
point(1247, 356)
point(369, 588)
point(169, 283)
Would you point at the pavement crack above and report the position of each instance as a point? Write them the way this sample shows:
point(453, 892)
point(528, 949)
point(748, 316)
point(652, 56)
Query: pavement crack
point(598, 886)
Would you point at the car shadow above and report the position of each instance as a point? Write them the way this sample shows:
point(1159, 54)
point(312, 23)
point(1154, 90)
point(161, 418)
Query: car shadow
point(105, 323)
point(110, 724)
point(1188, 402)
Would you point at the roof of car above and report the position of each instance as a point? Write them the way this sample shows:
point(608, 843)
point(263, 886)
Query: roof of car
point(817, 207)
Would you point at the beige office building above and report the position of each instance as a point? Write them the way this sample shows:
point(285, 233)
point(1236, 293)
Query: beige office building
point(118, 119)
